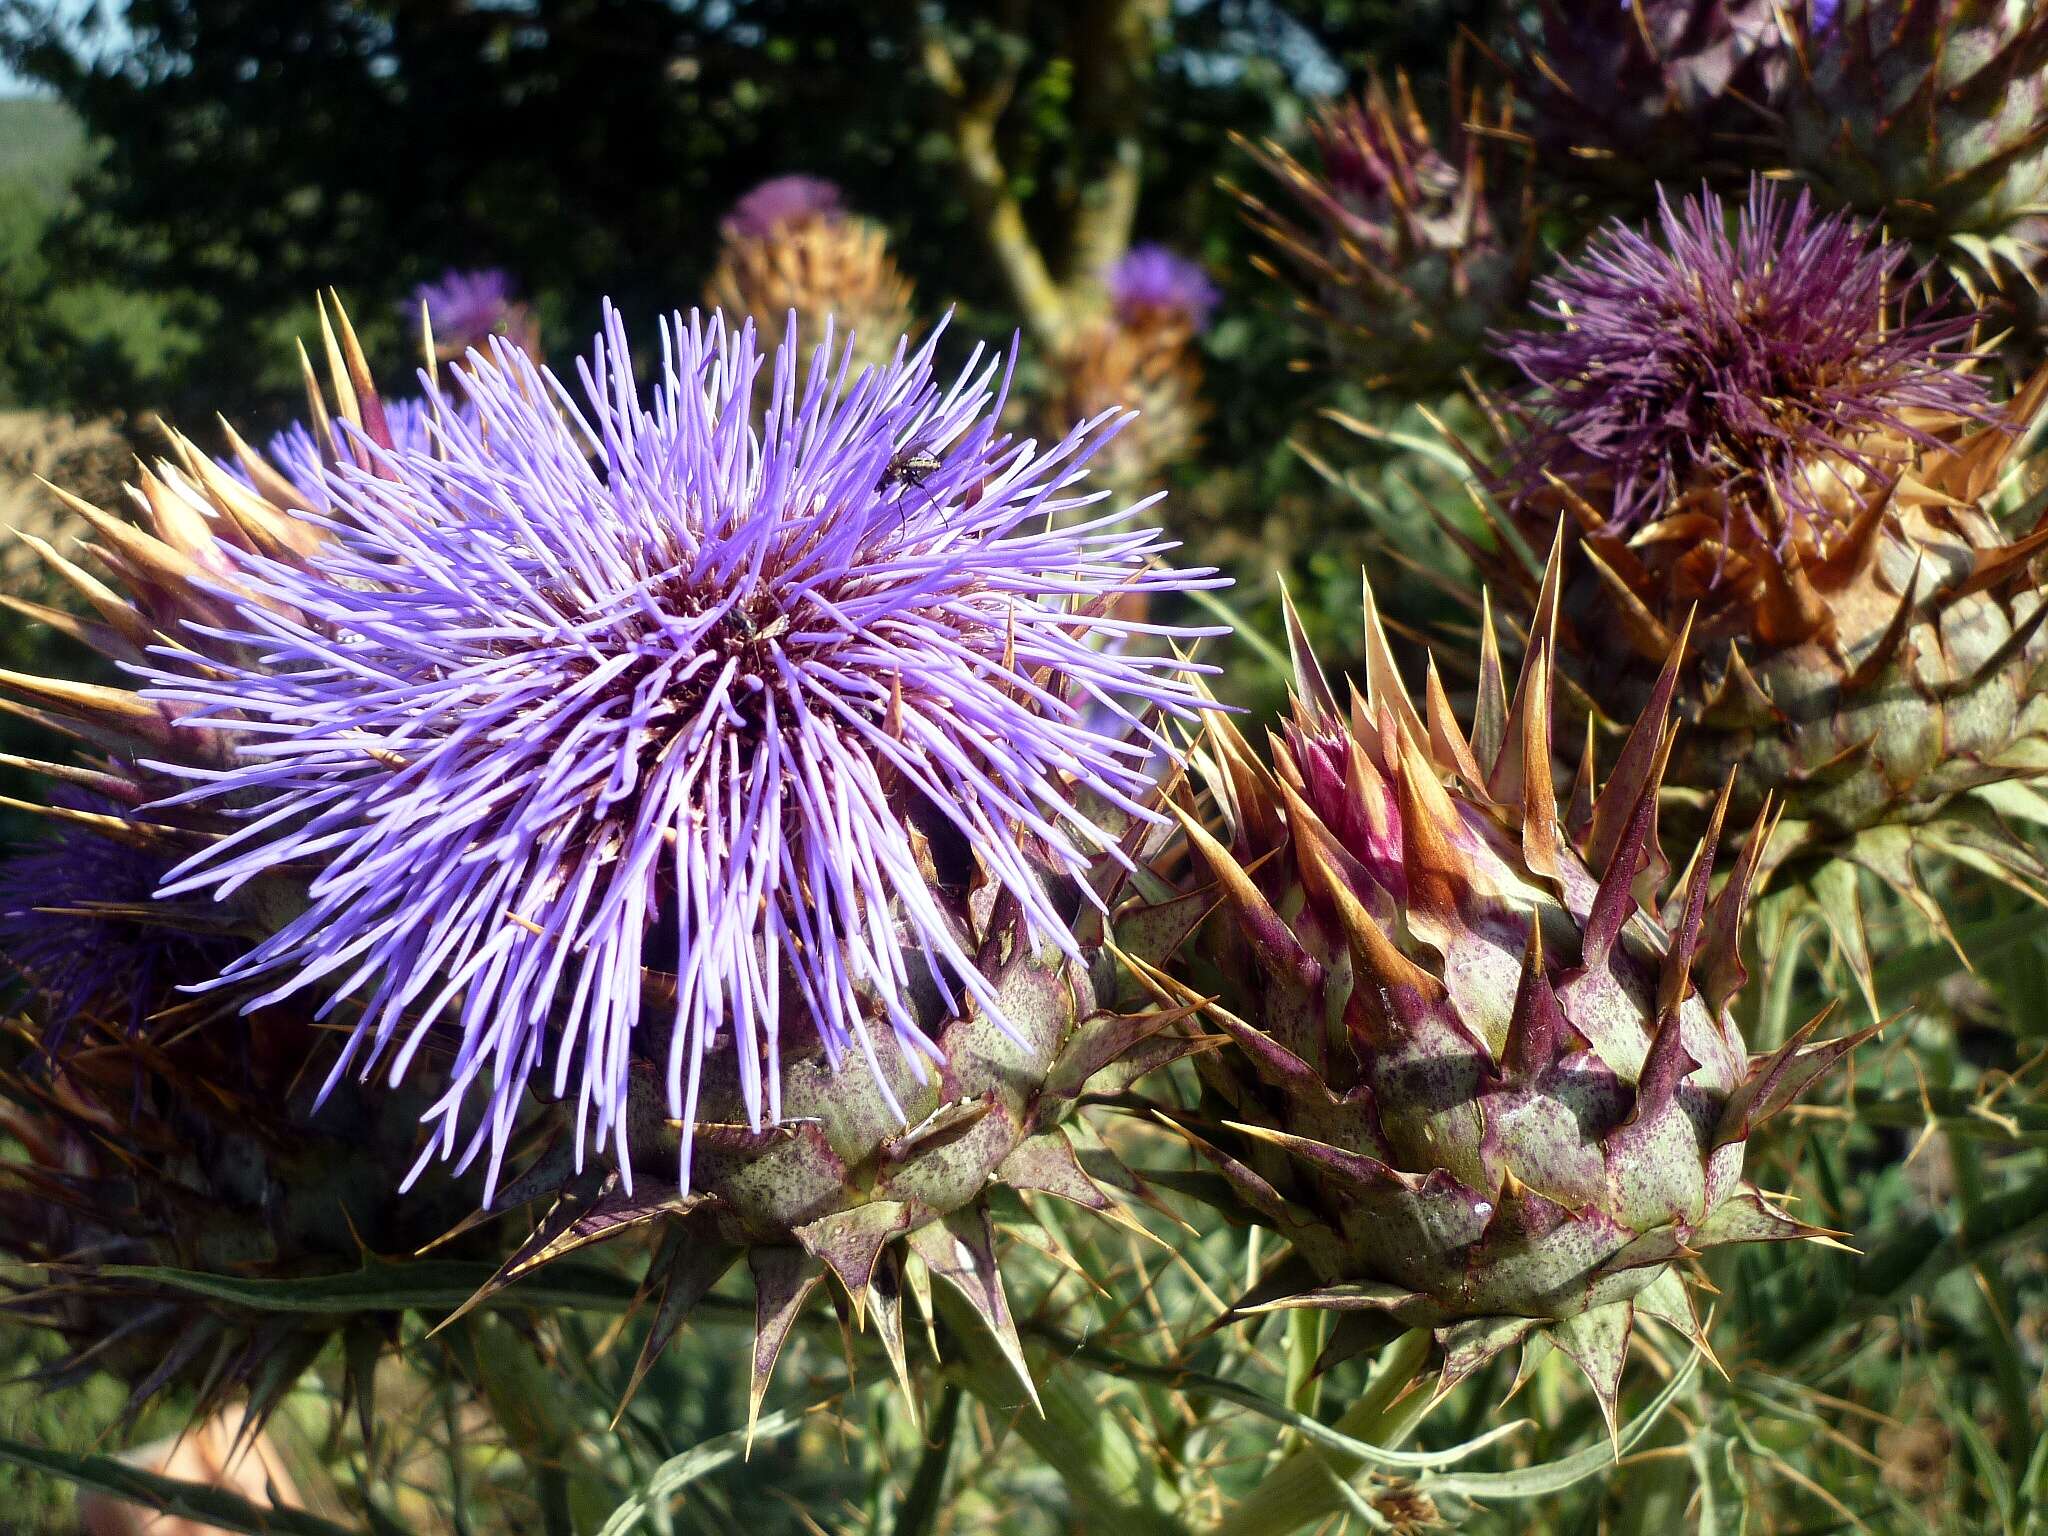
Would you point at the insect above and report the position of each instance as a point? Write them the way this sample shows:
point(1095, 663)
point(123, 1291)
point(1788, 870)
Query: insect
point(750, 630)
point(910, 469)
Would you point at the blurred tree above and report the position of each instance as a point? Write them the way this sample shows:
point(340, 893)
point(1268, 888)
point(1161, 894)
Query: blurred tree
point(252, 151)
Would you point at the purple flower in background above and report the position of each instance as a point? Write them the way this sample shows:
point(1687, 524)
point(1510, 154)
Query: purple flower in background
point(623, 728)
point(1753, 357)
point(296, 452)
point(783, 200)
point(78, 925)
point(466, 308)
point(1151, 283)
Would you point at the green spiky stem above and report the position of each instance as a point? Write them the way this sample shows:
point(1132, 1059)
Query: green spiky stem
point(1301, 1488)
point(1105, 1474)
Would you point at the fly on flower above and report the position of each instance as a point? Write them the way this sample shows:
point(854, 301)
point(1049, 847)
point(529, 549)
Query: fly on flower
point(908, 472)
point(623, 731)
point(911, 467)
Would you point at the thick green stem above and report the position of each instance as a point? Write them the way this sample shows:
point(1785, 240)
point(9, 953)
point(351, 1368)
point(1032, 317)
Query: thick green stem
point(1110, 1480)
point(1304, 1349)
point(1301, 1488)
point(921, 1505)
point(538, 1420)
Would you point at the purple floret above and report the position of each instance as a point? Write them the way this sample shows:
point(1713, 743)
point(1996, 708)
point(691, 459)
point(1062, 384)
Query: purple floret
point(1151, 282)
point(783, 200)
point(466, 308)
point(1747, 358)
point(605, 732)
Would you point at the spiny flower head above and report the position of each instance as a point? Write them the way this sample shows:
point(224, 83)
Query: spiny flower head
point(1408, 242)
point(1764, 359)
point(78, 926)
point(466, 308)
point(1623, 94)
point(1152, 285)
point(629, 728)
point(1483, 1074)
point(783, 200)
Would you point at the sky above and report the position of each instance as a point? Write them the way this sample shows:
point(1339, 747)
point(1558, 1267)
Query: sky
point(76, 13)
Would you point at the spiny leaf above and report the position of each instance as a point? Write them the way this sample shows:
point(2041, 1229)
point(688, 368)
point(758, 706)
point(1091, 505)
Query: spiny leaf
point(199, 1502)
point(425, 1286)
point(1556, 1476)
point(678, 1472)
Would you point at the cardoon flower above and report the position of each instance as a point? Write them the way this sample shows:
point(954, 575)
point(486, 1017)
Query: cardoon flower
point(781, 201)
point(1762, 357)
point(1153, 285)
point(790, 245)
point(1753, 450)
point(466, 308)
point(624, 729)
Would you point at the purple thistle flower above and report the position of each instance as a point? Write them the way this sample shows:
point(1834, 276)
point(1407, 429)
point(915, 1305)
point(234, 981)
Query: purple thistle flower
point(466, 308)
point(618, 729)
point(69, 925)
point(783, 200)
point(1150, 284)
point(1751, 358)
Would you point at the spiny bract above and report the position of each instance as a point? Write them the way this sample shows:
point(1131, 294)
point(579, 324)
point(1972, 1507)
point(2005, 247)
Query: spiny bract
point(1478, 1084)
